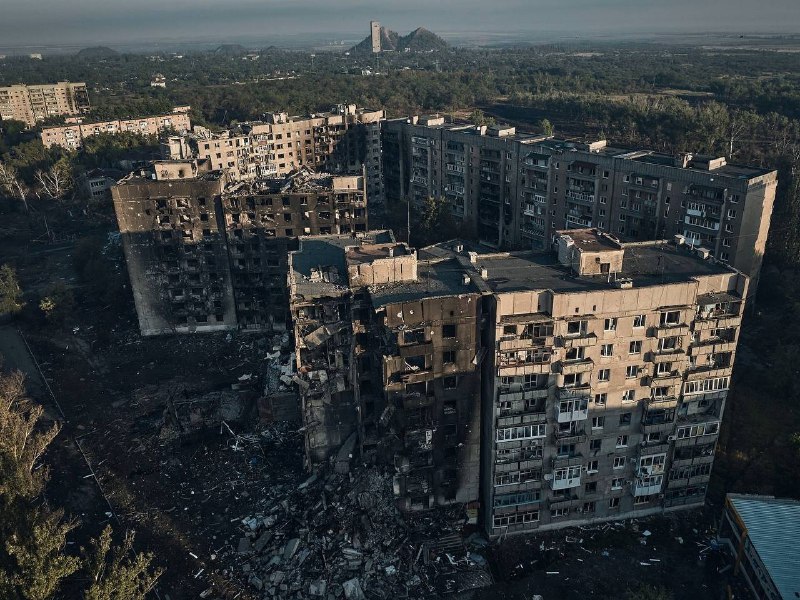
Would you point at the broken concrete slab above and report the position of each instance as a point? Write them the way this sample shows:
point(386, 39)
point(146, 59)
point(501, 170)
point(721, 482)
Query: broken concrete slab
point(244, 546)
point(291, 547)
point(262, 541)
point(352, 589)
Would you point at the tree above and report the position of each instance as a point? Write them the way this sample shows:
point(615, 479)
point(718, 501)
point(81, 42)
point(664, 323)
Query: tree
point(34, 564)
point(10, 292)
point(12, 185)
point(58, 302)
point(479, 118)
point(435, 222)
point(57, 181)
point(547, 127)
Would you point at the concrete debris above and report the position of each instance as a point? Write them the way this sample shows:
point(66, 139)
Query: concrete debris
point(341, 537)
point(352, 589)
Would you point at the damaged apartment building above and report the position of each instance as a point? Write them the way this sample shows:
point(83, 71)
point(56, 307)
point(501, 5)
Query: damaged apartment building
point(388, 354)
point(591, 381)
point(513, 190)
point(205, 254)
point(346, 140)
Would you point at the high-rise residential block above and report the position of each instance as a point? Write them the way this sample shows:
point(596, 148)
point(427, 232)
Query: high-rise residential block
point(514, 191)
point(33, 103)
point(204, 254)
point(590, 381)
point(346, 140)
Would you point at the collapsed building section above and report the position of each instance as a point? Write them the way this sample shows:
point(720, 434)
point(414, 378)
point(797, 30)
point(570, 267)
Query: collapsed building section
point(205, 254)
point(388, 354)
point(346, 140)
point(587, 384)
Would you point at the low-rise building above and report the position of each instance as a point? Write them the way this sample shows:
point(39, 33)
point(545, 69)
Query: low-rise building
point(71, 136)
point(761, 533)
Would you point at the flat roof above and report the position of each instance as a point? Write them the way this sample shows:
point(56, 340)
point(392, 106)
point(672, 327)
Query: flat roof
point(773, 526)
point(591, 240)
point(434, 279)
point(326, 254)
point(369, 252)
point(645, 264)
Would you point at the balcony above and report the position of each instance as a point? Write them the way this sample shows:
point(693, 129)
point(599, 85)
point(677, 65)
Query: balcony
point(575, 366)
point(711, 346)
point(531, 210)
point(708, 372)
point(520, 343)
point(577, 340)
point(669, 330)
point(580, 196)
point(666, 355)
point(523, 368)
point(575, 434)
point(457, 168)
point(695, 460)
point(523, 419)
point(579, 411)
point(646, 486)
point(564, 479)
point(578, 222)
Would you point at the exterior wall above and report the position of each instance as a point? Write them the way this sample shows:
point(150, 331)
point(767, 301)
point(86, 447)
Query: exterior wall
point(34, 103)
point(174, 243)
point(323, 338)
point(431, 388)
point(515, 191)
point(72, 136)
point(597, 412)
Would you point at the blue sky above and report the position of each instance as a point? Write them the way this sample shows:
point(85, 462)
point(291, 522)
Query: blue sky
point(121, 21)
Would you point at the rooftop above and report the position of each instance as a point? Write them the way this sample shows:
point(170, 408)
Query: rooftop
point(435, 278)
point(645, 264)
point(773, 526)
point(319, 267)
point(369, 252)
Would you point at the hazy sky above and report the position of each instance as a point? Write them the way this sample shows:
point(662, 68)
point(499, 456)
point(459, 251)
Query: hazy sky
point(39, 22)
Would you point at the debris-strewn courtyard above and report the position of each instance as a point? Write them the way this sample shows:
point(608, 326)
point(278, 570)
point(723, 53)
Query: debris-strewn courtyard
point(223, 501)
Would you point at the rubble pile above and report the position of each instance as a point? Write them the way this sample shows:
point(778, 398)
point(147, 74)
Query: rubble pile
point(340, 536)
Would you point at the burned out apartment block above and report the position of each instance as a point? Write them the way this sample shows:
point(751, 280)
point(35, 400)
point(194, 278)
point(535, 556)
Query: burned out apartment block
point(388, 354)
point(591, 382)
point(206, 254)
point(513, 191)
point(345, 140)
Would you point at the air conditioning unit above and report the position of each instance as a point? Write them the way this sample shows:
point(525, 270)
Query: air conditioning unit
point(672, 438)
point(548, 477)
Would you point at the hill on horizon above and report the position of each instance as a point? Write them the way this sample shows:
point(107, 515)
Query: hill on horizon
point(419, 40)
point(96, 52)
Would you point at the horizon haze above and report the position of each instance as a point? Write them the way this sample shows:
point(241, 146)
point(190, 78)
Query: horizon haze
point(92, 22)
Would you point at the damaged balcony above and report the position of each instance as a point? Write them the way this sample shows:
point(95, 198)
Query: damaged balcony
point(566, 477)
point(648, 485)
point(574, 409)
